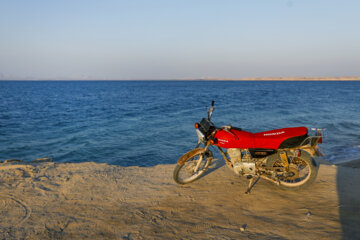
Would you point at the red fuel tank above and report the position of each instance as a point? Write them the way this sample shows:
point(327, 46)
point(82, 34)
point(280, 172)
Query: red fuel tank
point(234, 139)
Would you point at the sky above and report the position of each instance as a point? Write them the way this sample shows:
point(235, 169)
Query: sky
point(178, 39)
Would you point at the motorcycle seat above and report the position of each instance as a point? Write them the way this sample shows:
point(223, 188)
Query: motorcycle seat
point(280, 138)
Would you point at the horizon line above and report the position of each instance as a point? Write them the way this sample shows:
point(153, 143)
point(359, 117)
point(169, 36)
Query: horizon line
point(342, 78)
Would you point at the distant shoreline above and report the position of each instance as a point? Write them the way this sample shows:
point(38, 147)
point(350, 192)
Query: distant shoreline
point(356, 78)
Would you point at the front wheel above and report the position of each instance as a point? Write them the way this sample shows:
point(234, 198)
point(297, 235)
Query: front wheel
point(192, 165)
point(301, 173)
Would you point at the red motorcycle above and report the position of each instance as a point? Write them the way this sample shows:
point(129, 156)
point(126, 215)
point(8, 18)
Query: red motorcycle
point(283, 156)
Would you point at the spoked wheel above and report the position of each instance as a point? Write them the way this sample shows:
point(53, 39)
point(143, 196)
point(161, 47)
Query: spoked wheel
point(301, 173)
point(192, 165)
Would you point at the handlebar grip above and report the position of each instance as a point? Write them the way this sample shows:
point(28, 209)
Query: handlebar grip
point(212, 103)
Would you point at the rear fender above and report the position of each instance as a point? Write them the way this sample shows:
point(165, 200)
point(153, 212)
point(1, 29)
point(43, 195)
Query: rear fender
point(313, 150)
point(307, 153)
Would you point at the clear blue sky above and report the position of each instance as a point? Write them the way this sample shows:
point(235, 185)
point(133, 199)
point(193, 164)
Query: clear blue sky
point(167, 39)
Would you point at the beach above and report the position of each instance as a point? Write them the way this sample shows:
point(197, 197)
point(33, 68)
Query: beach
point(101, 201)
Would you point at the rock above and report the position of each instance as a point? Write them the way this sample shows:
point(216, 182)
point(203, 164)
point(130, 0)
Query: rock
point(243, 228)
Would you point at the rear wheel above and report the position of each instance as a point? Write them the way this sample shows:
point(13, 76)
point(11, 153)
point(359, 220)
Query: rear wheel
point(192, 165)
point(301, 173)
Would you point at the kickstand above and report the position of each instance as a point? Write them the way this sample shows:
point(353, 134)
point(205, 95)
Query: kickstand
point(252, 182)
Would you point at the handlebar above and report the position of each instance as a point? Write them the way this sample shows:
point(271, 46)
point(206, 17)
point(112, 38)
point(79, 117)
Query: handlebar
point(210, 111)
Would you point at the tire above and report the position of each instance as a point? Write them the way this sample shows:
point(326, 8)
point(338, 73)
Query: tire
point(184, 170)
point(303, 169)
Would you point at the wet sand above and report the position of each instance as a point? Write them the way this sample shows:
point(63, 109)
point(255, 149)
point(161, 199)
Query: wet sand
point(100, 201)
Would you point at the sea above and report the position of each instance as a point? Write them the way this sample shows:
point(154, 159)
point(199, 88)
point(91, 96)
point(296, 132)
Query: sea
point(145, 123)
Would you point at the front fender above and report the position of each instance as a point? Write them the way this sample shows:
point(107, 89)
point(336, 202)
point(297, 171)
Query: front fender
point(191, 154)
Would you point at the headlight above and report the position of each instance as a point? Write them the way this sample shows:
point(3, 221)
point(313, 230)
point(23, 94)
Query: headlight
point(200, 135)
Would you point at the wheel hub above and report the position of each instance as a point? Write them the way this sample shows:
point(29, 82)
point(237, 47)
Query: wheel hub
point(293, 172)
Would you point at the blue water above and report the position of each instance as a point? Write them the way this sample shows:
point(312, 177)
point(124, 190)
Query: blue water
point(145, 123)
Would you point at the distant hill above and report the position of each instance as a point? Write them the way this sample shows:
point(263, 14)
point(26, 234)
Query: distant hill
point(344, 78)
point(307, 78)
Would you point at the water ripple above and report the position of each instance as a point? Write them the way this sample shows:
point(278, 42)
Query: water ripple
point(146, 123)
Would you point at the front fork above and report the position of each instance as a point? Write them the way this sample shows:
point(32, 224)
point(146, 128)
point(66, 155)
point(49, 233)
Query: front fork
point(198, 144)
point(207, 145)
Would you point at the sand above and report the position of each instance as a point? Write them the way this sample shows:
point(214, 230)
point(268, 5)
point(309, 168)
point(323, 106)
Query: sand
point(100, 201)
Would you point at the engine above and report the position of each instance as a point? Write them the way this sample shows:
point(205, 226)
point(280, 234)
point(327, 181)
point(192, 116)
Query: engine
point(242, 162)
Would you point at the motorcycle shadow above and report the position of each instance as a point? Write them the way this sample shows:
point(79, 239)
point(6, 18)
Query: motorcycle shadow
point(215, 164)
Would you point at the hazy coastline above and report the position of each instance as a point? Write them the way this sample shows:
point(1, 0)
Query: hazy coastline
point(343, 78)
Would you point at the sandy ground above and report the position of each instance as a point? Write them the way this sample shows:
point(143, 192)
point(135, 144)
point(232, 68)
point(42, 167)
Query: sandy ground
point(100, 201)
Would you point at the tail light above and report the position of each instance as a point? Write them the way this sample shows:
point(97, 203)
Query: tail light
point(318, 133)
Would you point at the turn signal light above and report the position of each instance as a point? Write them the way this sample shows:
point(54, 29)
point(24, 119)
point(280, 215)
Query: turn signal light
point(213, 141)
point(196, 125)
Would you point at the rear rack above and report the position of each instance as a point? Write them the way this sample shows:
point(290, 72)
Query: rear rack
point(311, 140)
point(316, 135)
point(319, 130)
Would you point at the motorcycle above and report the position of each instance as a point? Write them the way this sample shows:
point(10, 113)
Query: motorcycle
point(284, 156)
